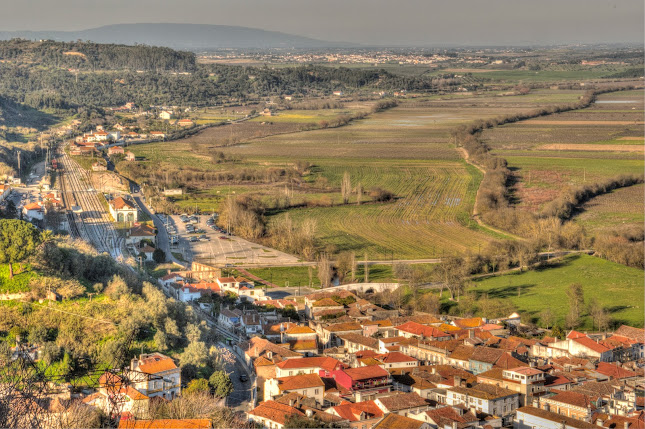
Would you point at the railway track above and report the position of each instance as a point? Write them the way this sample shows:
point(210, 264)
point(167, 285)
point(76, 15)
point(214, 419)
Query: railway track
point(93, 224)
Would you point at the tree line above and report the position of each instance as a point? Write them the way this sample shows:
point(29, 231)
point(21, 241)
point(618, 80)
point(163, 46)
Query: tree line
point(547, 228)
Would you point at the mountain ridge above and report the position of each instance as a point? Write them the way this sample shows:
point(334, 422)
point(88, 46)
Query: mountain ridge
point(181, 36)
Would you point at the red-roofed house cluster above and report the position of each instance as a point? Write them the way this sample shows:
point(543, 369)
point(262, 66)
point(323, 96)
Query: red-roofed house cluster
point(374, 369)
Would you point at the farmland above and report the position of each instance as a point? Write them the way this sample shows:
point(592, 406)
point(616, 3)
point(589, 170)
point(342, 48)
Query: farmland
point(620, 207)
point(406, 150)
point(615, 286)
point(570, 149)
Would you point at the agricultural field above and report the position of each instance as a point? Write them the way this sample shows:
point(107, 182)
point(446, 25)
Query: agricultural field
point(567, 149)
point(406, 150)
point(617, 287)
point(621, 207)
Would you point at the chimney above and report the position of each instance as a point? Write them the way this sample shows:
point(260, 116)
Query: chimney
point(626, 425)
point(599, 422)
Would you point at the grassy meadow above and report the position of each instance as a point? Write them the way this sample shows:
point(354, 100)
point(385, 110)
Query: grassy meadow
point(620, 289)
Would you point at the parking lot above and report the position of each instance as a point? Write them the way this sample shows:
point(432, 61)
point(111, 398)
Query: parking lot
point(219, 248)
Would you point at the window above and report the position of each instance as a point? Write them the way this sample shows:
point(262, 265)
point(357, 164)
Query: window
point(316, 391)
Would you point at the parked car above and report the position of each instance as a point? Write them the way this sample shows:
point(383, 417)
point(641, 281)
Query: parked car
point(221, 237)
point(193, 239)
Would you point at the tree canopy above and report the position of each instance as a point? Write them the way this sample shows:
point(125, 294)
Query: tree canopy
point(18, 241)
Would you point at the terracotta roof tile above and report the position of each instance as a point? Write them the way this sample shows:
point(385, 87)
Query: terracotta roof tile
point(275, 411)
point(395, 421)
point(301, 381)
point(165, 424)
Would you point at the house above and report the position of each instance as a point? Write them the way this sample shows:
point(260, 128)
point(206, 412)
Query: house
point(357, 342)
point(272, 414)
point(98, 166)
point(577, 344)
point(170, 278)
point(185, 123)
point(252, 324)
point(615, 372)
point(468, 323)
point(146, 251)
point(123, 210)
point(139, 232)
point(322, 366)
point(158, 135)
point(33, 212)
point(128, 400)
point(484, 398)
point(443, 417)
point(115, 150)
point(636, 335)
point(382, 327)
point(309, 385)
point(413, 329)
point(404, 404)
point(485, 358)
point(396, 360)
point(229, 318)
point(360, 415)
point(338, 297)
point(363, 383)
point(528, 382)
point(393, 421)
point(571, 404)
point(330, 333)
point(165, 115)
point(5, 191)
point(165, 424)
point(161, 376)
point(184, 292)
point(298, 333)
point(258, 347)
point(129, 156)
point(535, 418)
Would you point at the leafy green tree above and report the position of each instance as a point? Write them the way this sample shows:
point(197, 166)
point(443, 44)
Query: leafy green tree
point(71, 289)
point(159, 256)
point(10, 211)
point(18, 241)
point(116, 288)
point(199, 385)
point(196, 354)
point(557, 332)
point(221, 383)
point(161, 340)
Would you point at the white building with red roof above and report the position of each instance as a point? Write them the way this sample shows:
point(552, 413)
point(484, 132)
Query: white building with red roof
point(322, 365)
point(160, 375)
point(123, 210)
point(33, 211)
point(417, 330)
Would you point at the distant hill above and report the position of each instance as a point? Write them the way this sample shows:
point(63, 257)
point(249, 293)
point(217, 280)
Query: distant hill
point(192, 37)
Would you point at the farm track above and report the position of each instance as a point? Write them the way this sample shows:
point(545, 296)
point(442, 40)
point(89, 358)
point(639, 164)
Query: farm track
point(93, 224)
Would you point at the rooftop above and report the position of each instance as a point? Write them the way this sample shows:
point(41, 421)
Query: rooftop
point(556, 418)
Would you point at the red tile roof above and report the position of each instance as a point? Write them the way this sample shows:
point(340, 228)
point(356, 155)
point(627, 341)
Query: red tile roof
point(353, 411)
point(324, 362)
point(366, 372)
point(165, 424)
point(156, 363)
point(613, 371)
point(395, 421)
point(275, 411)
point(590, 344)
point(415, 328)
point(302, 381)
point(394, 357)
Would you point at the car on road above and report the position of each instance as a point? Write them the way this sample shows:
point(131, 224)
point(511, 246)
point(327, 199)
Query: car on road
point(244, 378)
point(221, 237)
point(193, 239)
point(204, 238)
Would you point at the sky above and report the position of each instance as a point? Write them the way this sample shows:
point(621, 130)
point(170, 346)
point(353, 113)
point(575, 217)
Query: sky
point(370, 22)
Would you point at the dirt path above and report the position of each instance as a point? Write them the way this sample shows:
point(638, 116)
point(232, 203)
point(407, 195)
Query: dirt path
point(475, 214)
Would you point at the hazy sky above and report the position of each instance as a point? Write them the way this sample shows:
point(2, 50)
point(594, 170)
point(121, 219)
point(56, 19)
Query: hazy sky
point(427, 22)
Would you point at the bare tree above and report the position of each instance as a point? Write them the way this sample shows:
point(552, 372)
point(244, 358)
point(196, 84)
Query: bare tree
point(346, 187)
point(324, 271)
point(366, 270)
point(451, 273)
point(359, 193)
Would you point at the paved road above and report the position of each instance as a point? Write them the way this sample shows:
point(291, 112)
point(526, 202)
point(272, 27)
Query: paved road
point(163, 241)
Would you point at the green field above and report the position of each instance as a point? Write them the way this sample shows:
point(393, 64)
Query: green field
point(620, 289)
point(551, 153)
